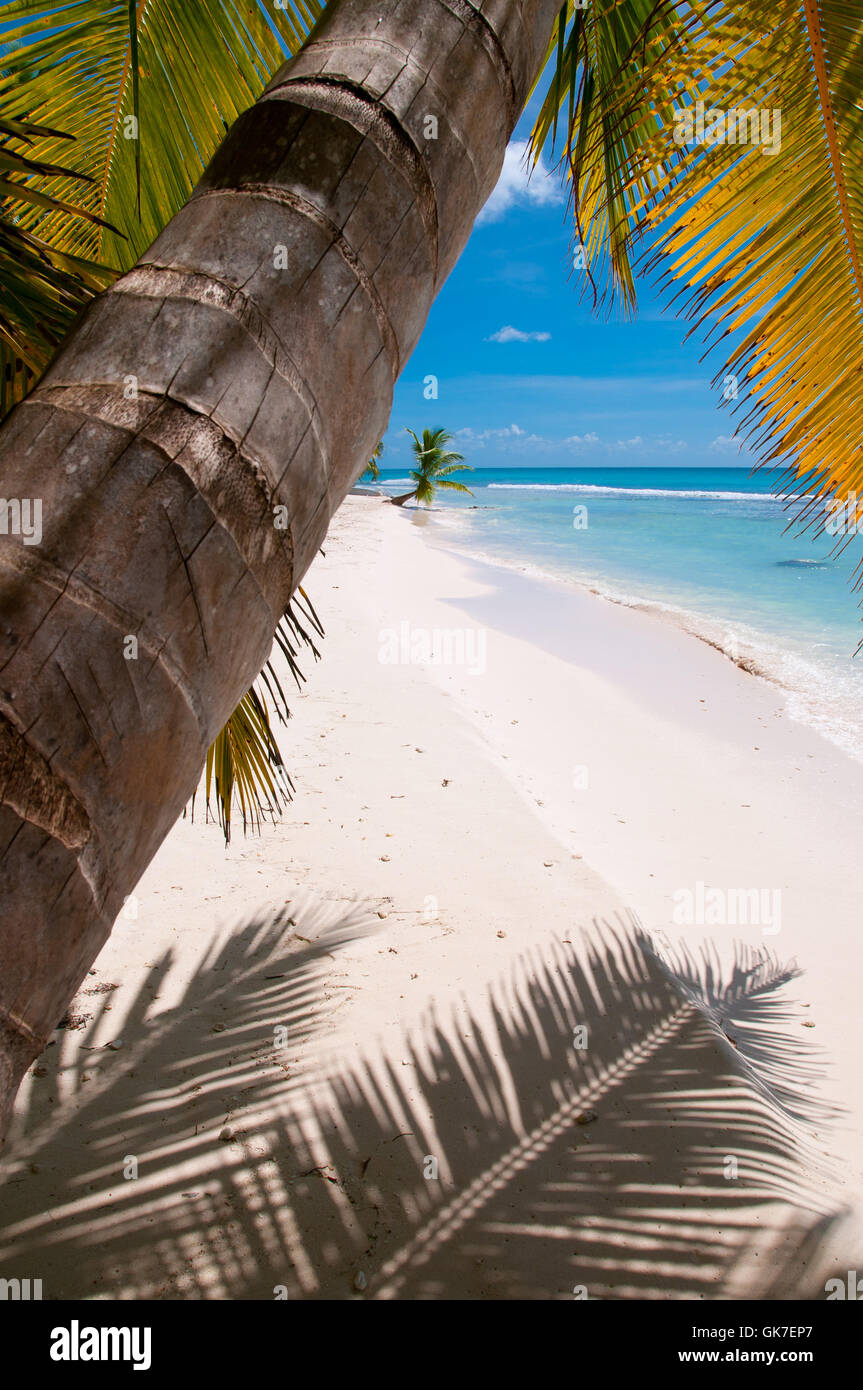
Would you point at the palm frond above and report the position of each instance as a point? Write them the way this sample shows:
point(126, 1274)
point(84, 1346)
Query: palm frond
point(785, 294)
point(42, 288)
point(445, 467)
point(610, 63)
point(42, 291)
point(148, 90)
point(373, 468)
point(424, 492)
point(245, 761)
point(456, 487)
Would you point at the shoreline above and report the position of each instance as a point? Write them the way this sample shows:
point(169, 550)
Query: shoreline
point(753, 650)
point(442, 908)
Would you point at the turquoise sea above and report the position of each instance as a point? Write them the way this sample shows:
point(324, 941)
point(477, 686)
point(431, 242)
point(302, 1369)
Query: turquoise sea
point(713, 547)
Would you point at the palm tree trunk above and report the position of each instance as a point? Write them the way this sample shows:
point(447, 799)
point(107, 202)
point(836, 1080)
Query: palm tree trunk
point(404, 497)
point(195, 435)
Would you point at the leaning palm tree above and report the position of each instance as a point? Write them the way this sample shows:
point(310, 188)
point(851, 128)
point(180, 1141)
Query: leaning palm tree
point(435, 463)
point(57, 254)
point(189, 443)
point(373, 468)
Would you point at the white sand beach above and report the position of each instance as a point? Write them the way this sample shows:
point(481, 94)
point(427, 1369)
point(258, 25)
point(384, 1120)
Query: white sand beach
point(507, 1072)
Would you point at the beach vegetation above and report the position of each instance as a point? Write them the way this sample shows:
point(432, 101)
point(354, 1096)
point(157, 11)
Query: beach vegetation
point(373, 469)
point(435, 465)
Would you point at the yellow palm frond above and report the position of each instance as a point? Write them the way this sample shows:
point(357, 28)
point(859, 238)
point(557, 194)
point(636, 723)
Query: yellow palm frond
point(724, 143)
point(603, 105)
point(244, 762)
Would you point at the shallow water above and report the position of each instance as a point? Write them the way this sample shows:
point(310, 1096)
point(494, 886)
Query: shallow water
point(714, 548)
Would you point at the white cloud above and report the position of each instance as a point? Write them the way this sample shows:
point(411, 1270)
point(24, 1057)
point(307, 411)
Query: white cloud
point(478, 438)
point(519, 187)
point(579, 440)
point(726, 444)
point(508, 334)
point(512, 439)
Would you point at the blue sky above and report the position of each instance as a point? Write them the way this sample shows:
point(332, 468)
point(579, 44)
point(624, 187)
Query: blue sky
point(580, 390)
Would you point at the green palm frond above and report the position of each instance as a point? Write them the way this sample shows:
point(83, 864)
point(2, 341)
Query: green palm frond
point(755, 222)
point(43, 288)
point(608, 91)
point(148, 89)
point(424, 493)
point(245, 761)
point(447, 468)
point(456, 487)
point(373, 468)
point(141, 92)
point(433, 442)
point(42, 291)
point(787, 292)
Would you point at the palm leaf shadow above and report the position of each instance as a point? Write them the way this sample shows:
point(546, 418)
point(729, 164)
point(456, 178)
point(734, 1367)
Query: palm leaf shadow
point(557, 1166)
point(210, 1062)
point(612, 1173)
point(750, 1011)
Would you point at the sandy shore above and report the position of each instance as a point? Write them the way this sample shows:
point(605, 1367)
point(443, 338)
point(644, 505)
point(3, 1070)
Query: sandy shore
point(438, 1034)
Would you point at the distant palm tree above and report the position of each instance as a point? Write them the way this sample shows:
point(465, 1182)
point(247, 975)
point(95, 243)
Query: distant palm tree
point(434, 465)
point(373, 472)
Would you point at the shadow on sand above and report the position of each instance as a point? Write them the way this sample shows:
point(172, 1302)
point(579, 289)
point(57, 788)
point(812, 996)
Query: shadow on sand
point(605, 1125)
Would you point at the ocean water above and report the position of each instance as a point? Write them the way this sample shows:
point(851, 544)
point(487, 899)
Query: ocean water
point(714, 548)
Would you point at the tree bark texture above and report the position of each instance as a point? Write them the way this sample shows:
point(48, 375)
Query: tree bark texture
point(196, 433)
